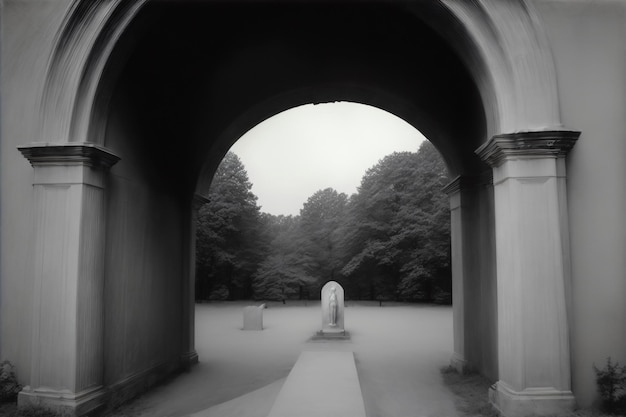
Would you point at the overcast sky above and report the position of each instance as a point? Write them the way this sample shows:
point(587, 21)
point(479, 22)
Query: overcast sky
point(300, 151)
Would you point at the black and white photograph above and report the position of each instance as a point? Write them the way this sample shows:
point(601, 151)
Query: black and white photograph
point(312, 208)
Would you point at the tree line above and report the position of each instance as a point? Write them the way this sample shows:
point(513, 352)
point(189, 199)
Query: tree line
point(388, 241)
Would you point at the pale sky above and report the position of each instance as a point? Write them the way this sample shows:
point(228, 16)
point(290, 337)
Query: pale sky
point(292, 155)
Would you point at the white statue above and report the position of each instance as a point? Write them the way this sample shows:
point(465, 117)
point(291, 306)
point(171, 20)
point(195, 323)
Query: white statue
point(332, 307)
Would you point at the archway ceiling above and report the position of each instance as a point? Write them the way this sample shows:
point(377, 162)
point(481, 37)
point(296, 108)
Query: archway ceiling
point(198, 70)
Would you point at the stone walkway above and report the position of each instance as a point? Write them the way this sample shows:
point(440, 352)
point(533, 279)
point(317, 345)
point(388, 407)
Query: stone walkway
point(321, 384)
point(257, 403)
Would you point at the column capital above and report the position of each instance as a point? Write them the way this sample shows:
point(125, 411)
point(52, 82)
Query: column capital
point(537, 144)
point(88, 154)
point(468, 181)
point(198, 201)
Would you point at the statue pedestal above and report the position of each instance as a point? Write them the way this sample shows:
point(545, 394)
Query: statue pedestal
point(339, 334)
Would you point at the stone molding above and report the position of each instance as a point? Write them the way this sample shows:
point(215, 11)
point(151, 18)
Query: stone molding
point(537, 401)
point(199, 201)
point(468, 181)
point(453, 186)
point(64, 402)
point(539, 144)
point(88, 154)
point(188, 359)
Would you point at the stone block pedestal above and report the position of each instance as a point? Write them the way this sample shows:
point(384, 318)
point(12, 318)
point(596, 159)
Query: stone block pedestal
point(531, 401)
point(325, 335)
point(64, 402)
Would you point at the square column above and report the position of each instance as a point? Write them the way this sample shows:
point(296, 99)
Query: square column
point(458, 360)
point(472, 254)
point(67, 346)
point(190, 356)
point(532, 272)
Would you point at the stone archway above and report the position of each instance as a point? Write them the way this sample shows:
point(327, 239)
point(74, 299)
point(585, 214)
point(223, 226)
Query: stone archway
point(97, 107)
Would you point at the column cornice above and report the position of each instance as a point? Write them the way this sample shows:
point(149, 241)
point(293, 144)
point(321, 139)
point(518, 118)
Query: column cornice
point(538, 144)
point(468, 181)
point(88, 154)
point(453, 186)
point(199, 201)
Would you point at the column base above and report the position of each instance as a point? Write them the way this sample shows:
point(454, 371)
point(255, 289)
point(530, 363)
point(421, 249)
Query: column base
point(531, 401)
point(460, 364)
point(65, 403)
point(189, 359)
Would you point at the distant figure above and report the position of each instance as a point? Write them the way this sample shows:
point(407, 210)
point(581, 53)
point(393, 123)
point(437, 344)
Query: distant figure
point(332, 304)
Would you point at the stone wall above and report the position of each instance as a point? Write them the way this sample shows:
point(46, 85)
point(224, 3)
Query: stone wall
point(587, 41)
point(145, 261)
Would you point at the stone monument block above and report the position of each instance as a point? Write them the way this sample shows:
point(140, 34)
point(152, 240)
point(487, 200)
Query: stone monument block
point(332, 308)
point(253, 317)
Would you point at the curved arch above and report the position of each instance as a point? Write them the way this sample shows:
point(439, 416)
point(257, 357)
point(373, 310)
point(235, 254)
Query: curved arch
point(81, 49)
point(502, 44)
point(517, 57)
point(313, 95)
point(507, 52)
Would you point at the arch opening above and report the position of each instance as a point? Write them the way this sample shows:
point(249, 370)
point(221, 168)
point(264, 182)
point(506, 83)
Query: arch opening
point(186, 93)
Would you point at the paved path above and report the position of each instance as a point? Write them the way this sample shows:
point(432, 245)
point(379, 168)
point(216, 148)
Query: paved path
point(321, 384)
point(254, 404)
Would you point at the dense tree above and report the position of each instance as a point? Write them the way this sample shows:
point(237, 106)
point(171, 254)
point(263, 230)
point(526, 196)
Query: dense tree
point(321, 220)
point(390, 240)
point(398, 240)
point(304, 252)
point(226, 234)
point(283, 274)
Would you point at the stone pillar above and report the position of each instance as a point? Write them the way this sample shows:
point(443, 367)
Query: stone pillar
point(453, 190)
point(190, 356)
point(468, 304)
point(67, 346)
point(532, 271)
